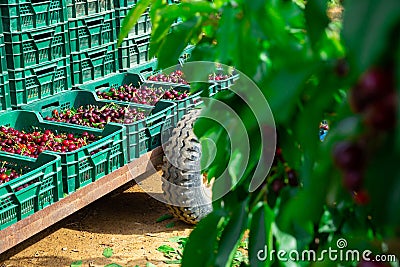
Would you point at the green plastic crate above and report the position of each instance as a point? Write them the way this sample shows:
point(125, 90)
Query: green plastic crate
point(114, 80)
point(25, 15)
point(138, 134)
point(225, 84)
point(160, 122)
point(29, 48)
point(145, 69)
point(142, 27)
point(43, 80)
point(186, 54)
point(94, 64)
point(134, 52)
point(5, 101)
point(118, 79)
point(184, 105)
point(143, 45)
point(125, 3)
point(92, 31)
point(201, 89)
point(44, 180)
point(3, 62)
point(84, 8)
point(80, 167)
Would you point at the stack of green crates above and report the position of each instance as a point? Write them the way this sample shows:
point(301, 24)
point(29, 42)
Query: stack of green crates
point(134, 50)
point(37, 50)
point(5, 102)
point(93, 40)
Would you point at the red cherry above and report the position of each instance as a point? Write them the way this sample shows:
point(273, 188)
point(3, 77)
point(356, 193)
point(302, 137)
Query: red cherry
point(361, 197)
point(65, 143)
point(353, 179)
point(373, 85)
point(348, 155)
point(381, 115)
point(277, 185)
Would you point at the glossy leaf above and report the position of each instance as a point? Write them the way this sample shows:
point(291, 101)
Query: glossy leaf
point(367, 33)
point(108, 252)
point(227, 47)
point(316, 19)
point(175, 42)
point(231, 235)
point(260, 236)
point(198, 248)
point(131, 18)
point(76, 264)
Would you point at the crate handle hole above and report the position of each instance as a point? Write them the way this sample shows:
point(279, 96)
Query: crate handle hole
point(94, 22)
point(45, 71)
point(54, 104)
point(148, 70)
point(104, 85)
point(98, 54)
point(38, 1)
point(42, 36)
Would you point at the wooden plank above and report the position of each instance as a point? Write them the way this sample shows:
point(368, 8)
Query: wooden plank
point(26, 228)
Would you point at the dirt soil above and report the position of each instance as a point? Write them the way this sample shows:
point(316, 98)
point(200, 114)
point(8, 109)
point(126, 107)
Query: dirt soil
point(124, 220)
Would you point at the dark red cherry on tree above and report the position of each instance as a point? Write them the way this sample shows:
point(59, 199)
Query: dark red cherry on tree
point(361, 197)
point(353, 179)
point(277, 185)
point(373, 85)
point(382, 114)
point(348, 155)
point(292, 178)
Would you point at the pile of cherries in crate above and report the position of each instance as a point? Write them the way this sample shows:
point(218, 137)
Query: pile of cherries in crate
point(33, 143)
point(176, 76)
point(146, 95)
point(10, 171)
point(98, 116)
point(219, 76)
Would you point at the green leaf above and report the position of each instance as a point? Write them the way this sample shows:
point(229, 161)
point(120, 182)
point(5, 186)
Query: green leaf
point(176, 41)
point(173, 261)
point(284, 242)
point(165, 249)
point(385, 195)
point(170, 225)
point(131, 19)
point(227, 46)
point(232, 234)
point(113, 265)
point(149, 264)
point(367, 28)
point(160, 27)
point(198, 248)
point(107, 252)
point(164, 217)
point(235, 167)
point(260, 237)
point(316, 19)
point(285, 89)
point(177, 239)
point(76, 264)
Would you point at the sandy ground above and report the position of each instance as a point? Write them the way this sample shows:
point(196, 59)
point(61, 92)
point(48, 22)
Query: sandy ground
point(124, 220)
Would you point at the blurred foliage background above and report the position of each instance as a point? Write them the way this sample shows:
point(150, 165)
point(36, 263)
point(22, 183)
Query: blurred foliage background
point(312, 60)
